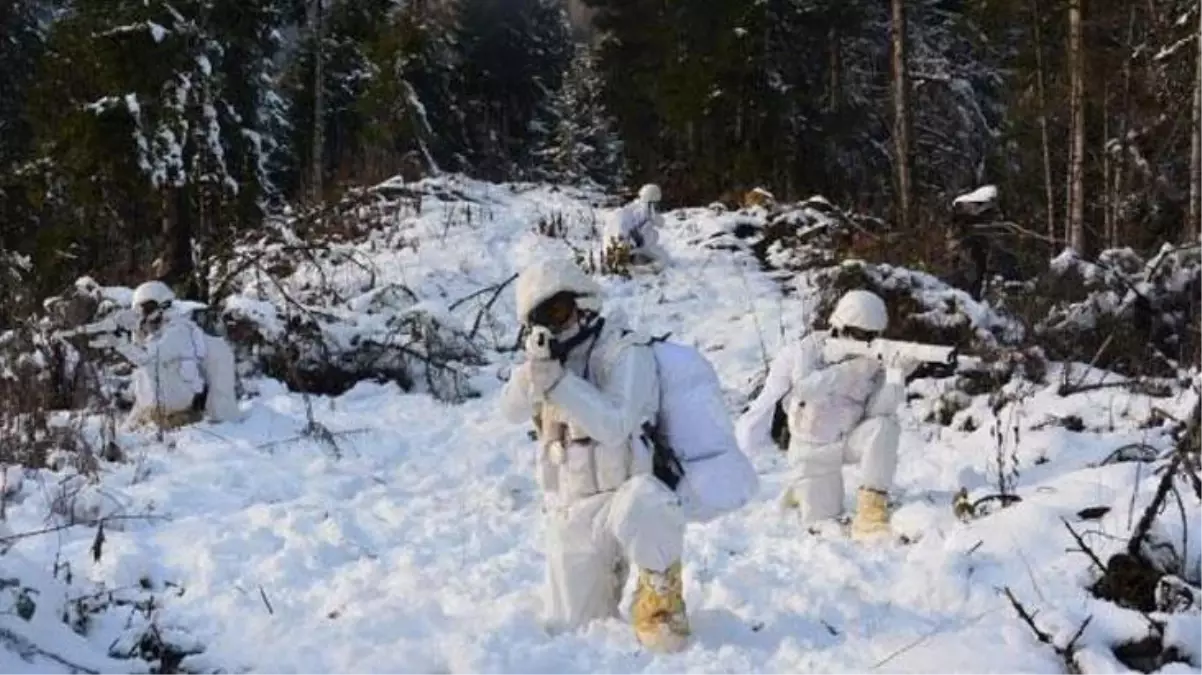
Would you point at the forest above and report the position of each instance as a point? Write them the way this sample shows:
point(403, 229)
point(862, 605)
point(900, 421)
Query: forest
point(146, 137)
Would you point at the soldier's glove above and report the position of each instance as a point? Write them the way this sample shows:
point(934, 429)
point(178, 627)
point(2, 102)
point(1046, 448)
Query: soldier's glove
point(544, 369)
point(539, 344)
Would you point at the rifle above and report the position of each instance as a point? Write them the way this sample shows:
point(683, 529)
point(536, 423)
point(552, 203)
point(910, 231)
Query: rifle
point(104, 333)
point(117, 322)
point(889, 352)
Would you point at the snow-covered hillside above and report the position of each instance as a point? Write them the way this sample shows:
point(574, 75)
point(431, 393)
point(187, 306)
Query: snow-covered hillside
point(409, 537)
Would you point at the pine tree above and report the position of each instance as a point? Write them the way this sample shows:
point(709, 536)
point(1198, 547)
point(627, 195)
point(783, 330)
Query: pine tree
point(20, 50)
point(347, 30)
point(21, 47)
point(412, 122)
point(249, 32)
point(580, 144)
point(634, 44)
point(514, 53)
point(144, 136)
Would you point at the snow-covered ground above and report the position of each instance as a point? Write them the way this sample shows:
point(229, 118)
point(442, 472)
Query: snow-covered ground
point(414, 541)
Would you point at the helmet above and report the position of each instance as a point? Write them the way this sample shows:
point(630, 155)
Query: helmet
point(650, 194)
point(860, 309)
point(153, 291)
point(550, 276)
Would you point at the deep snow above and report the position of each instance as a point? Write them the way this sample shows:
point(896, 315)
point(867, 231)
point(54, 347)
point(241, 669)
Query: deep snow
point(416, 544)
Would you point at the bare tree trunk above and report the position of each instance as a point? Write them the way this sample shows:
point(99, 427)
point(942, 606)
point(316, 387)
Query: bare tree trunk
point(836, 71)
point(174, 265)
point(1108, 196)
point(1120, 165)
point(316, 163)
point(1076, 165)
point(1041, 92)
point(901, 116)
point(1193, 229)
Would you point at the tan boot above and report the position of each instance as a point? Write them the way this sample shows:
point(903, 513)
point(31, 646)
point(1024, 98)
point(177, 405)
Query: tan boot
point(872, 514)
point(658, 614)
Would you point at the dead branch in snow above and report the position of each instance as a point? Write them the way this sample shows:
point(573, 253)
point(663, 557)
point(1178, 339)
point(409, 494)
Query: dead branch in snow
point(1192, 475)
point(10, 539)
point(26, 649)
point(1068, 651)
point(1134, 546)
point(488, 306)
point(1083, 547)
point(481, 291)
point(1124, 453)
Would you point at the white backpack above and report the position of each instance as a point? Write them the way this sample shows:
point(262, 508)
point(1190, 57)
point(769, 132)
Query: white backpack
point(694, 426)
point(220, 373)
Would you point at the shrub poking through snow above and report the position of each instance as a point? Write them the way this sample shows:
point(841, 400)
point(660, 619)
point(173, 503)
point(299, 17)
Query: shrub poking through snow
point(1156, 574)
point(329, 351)
point(55, 619)
point(615, 259)
point(921, 307)
point(1124, 313)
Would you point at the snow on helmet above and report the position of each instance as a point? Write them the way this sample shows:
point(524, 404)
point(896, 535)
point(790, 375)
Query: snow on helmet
point(650, 194)
point(860, 309)
point(155, 292)
point(548, 277)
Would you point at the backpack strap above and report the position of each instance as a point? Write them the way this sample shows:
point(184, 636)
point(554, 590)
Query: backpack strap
point(665, 464)
point(652, 339)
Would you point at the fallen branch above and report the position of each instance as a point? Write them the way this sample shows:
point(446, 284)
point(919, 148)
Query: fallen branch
point(1120, 454)
point(12, 538)
point(1072, 643)
point(1084, 548)
point(263, 594)
point(488, 305)
point(1195, 481)
point(481, 291)
point(1066, 652)
point(303, 435)
point(1027, 618)
point(1068, 389)
point(1097, 355)
point(26, 649)
point(1145, 521)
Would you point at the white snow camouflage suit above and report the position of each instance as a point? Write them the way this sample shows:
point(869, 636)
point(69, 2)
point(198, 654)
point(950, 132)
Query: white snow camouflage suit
point(606, 511)
point(637, 224)
point(172, 373)
point(170, 376)
point(841, 413)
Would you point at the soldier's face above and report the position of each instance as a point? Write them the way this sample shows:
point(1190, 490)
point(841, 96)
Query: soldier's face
point(150, 316)
point(556, 314)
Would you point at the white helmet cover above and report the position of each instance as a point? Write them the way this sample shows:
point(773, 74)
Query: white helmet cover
point(650, 194)
point(153, 291)
point(860, 309)
point(543, 279)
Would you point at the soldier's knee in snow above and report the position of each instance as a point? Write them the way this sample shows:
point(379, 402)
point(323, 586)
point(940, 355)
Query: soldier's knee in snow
point(817, 460)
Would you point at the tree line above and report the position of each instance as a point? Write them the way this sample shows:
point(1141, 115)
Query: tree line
point(139, 136)
point(145, 134)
